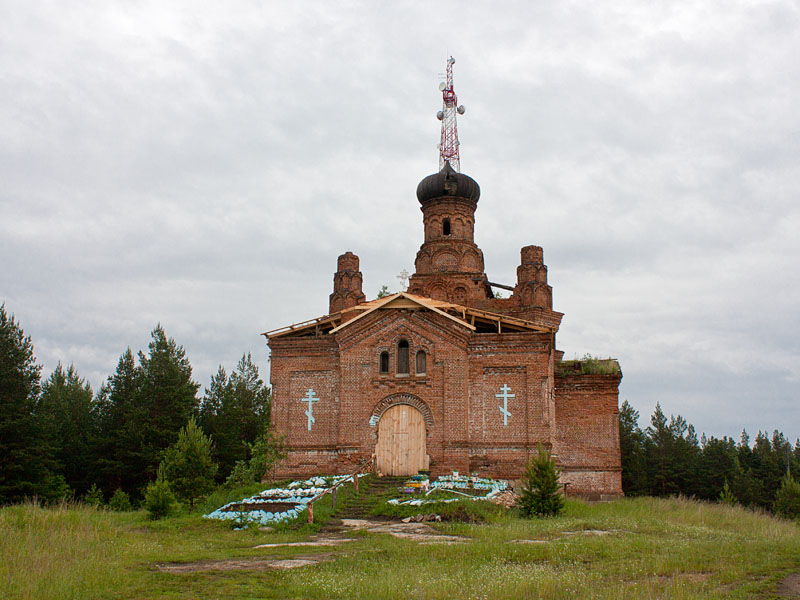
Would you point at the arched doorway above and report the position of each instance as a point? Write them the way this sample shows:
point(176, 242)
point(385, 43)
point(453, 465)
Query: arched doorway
point(401, 448)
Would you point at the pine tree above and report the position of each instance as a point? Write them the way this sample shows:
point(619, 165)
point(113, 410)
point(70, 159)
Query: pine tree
point(540, 495)
point(633, 450)
point(94, 496)
point(787, 500)
point(726, 495)
point(212, 419)
point(188, 464)
point(120, 502)
point(67, 411)
point(120, 437)
point(659, 450)
point(234, 411)
point(716, 467)
point(142, 408)
point(165, 398)
point(158, 497)
point(27, 467)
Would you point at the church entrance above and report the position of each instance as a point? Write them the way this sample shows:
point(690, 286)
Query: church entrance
point(401, 448)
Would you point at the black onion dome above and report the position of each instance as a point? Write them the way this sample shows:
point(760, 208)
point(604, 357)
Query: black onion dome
point(448, 182)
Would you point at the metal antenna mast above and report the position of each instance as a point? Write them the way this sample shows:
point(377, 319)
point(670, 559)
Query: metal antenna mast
point(448, 147)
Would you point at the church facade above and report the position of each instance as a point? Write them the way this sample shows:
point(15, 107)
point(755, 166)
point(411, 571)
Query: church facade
point(446, 376)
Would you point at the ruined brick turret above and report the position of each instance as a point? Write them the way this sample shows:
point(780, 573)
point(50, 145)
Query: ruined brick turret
point(532, 288)
point(347, 282)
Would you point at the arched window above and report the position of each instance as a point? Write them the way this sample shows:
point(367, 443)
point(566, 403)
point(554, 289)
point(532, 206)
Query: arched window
point(422, 362)
point(446, 227)
point(384, 362)
point(402, 357)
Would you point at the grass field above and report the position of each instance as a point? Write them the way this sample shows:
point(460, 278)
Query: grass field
point(632, 548)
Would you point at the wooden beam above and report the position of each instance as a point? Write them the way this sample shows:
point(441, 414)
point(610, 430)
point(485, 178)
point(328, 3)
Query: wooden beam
point(500, 285)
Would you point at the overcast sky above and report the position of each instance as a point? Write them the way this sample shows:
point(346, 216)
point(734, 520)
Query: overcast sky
point(202, 166)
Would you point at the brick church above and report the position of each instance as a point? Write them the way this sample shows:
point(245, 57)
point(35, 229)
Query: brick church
point(446, 376)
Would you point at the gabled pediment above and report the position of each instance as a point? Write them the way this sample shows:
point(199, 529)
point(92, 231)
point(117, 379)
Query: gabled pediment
point(384, 327)
point(464, 316)
point(403, 300)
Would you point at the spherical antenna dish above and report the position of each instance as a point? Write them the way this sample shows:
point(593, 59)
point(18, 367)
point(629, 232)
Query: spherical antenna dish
point(442, 86)
point(440, 115)
point(461, 110)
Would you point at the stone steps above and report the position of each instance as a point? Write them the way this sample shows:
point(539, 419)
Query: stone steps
point(359, 506)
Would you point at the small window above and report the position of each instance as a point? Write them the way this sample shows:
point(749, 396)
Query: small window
point(384, 362)
point(446, 227)
point(422, 362)
point(402, 357)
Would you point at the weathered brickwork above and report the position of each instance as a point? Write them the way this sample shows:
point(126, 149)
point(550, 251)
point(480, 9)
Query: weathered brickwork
point(587, 439)
point(481, 371)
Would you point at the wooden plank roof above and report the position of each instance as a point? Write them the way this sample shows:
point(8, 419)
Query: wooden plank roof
point(463, 315)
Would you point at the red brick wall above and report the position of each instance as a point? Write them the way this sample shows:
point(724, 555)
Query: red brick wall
point(297, 365)
point(587, 433)
point(575, 415)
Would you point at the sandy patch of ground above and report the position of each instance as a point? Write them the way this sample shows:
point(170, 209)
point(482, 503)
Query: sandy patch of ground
point(244, 564)
point(789, 587)
point(316, 541)
point(599, 532)
point(418, 532)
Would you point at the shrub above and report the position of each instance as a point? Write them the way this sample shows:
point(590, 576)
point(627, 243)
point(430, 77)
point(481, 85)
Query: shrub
point(158, 497)
point(787, 500)
point(94, 496)
point(540, 495)
point(120, 501)
point(265, 454)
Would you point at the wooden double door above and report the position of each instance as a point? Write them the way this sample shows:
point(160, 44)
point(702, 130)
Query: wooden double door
point(401, 448)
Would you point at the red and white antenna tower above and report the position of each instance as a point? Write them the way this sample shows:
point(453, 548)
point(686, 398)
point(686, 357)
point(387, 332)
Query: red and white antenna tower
point(448, 147)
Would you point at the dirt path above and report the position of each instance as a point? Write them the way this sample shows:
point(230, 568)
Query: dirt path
point(244, 564)
point(418, 532)
point(789, 587)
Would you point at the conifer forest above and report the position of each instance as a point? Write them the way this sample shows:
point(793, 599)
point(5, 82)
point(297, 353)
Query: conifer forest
point(59, 437)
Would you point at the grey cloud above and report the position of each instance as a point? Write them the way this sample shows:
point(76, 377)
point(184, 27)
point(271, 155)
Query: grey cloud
point(202, 166)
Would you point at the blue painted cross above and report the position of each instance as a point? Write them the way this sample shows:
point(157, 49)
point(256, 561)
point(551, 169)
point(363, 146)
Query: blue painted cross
point(506, 397)
point(309, 413)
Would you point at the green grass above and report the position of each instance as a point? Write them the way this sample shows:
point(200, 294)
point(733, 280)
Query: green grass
point(671, 548)
point(588, 365)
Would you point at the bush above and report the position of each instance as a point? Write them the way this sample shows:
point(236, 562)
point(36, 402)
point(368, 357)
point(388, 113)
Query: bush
point(120, 501)
point(267, 451)
point(94, 496)
point(787, 500)
point(158, 497)
point(540, 485)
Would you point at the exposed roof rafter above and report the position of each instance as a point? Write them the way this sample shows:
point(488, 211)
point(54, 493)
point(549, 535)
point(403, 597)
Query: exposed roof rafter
point(465, 316)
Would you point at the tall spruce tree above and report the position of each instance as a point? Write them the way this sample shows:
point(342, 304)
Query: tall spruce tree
point(27, 467)
point(633, 452)
point(119, 439)
point(66, 409)
point(142, 409)
point(235, 411)
point(716, 467)
point(658, 456)
point(165, 399)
